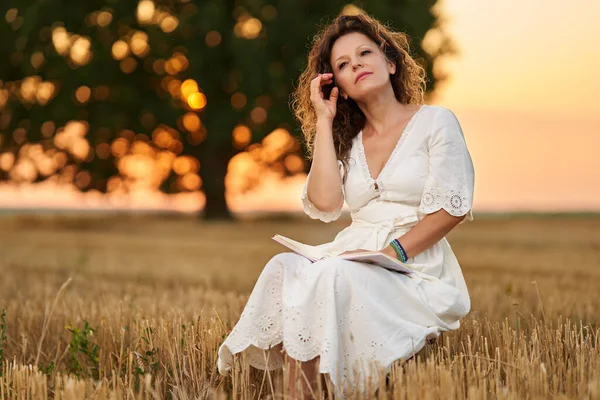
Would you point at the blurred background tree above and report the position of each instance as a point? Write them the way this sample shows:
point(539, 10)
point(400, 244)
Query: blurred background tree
point(170, 95)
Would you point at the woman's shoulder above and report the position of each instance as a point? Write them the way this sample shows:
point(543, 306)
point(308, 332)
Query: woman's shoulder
point(440, 115)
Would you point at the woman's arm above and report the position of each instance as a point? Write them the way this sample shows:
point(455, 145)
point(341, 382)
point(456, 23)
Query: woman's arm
point(427, 232)
point(448, 192)
point(324, 188)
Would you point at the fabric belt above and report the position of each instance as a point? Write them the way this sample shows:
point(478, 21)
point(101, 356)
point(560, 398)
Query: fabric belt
point(382, 230)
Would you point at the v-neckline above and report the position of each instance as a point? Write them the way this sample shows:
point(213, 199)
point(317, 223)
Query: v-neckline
point(363, 156)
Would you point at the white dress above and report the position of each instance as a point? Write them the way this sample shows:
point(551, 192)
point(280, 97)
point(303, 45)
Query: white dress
point(355, 316)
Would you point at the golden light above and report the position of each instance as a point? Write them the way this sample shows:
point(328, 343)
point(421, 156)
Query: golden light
point(176, 64)
point(19, 135)
point(45, 92)
point(171, 67)
point(60, 40)
point(191, 122)
point(7, 160)
point(185, 164)
point(103, 151)
point(145, 11)
point(351, 9)
point(83, 179)
point(120, 50)
point(11, 15)
point(278, 138)
point(142, 137)
point(47, 165)
point(139, 44)
point(176, 147)
point(24, 170)
point(162, 138)
point(238, 100)
point(82, 94)
point(127, 134)
point(37, 59)
point(104, 18)
point(241, 136)
point(169, 24)
point(128, 65)
point(197, 101)
point(119, 147)
point(212, 38)
point(47, 128)
point(29, 88)
point(80, 149)
point(188, 87)
point(241, 163)
point(80, 51)
point(258, 115)
point(276, 144)
point(248, 28)
point(294, 163)
point(3, 97)
point(61, 159)
point(174, 87)
point(113, 184)
point(191, 182)
point(142, 148)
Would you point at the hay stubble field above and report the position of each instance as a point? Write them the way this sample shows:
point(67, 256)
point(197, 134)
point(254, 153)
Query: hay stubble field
point(136, 307)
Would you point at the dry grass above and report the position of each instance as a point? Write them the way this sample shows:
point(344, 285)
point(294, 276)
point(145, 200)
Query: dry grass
point(161, 295)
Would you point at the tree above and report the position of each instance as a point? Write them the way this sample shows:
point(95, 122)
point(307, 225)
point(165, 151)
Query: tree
point(160, 81)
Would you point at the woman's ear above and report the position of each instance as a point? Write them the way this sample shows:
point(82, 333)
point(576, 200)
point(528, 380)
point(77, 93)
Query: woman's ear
point(392, 66)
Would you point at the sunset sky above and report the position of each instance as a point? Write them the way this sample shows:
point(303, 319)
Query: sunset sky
point(524, 87)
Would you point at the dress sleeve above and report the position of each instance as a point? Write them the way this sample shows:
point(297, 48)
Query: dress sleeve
point(451, 177)
point(312, 211)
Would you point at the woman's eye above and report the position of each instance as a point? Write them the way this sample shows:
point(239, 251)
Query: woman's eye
point(362, 53)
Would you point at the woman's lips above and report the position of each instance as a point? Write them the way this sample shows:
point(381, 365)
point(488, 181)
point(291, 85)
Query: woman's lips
point(361, 77)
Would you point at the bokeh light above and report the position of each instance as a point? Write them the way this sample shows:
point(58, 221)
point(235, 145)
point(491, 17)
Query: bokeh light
point(169, 24)
point(139, 44)
point(197, 101)
point(82, 94)
point(258, 115)
point(120, 49)
point(247, 27)
point(242, 135)
point(145, 11)
point(191, 122)
point(213, 38)
point(238, 100)
point(104, 19)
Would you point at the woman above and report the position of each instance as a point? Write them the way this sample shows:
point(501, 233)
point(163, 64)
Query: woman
point(405, 172)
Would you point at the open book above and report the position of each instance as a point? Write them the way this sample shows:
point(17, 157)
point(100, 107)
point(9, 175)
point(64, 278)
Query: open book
point(372, 257)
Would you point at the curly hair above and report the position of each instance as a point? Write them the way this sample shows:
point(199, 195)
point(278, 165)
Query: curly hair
point(408, 83)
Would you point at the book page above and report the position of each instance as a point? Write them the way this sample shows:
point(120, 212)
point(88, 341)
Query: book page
point(380, 259)
point(306, 250)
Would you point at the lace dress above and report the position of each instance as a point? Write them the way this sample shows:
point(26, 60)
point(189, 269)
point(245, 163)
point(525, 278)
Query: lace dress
point(355, 316)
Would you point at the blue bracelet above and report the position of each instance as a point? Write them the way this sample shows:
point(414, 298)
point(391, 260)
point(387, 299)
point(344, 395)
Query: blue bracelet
point(400, 252)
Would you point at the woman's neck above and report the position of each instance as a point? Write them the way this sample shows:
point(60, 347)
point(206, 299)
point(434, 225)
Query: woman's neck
point(382, 112)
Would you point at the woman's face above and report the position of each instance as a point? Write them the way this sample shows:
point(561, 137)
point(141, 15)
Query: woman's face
point(354, 54)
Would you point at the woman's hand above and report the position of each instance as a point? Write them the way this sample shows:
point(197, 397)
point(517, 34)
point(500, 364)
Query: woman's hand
point(325, 109)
